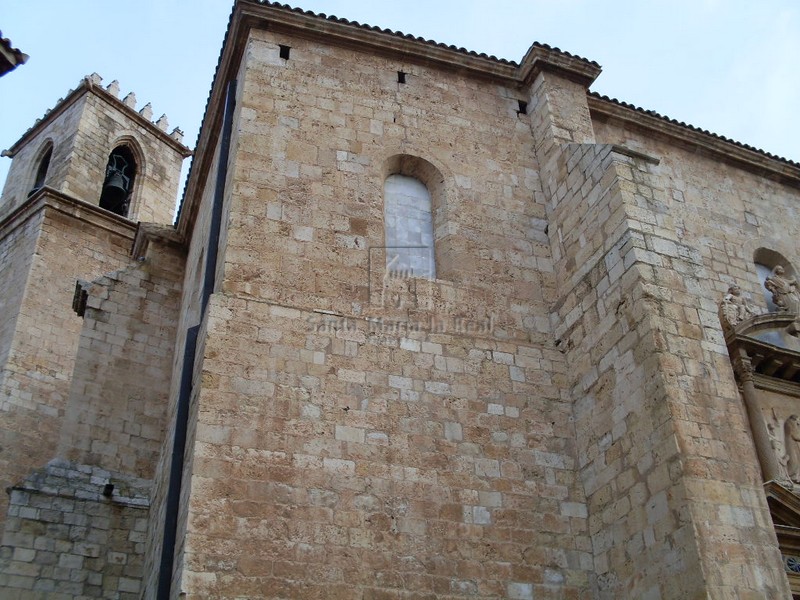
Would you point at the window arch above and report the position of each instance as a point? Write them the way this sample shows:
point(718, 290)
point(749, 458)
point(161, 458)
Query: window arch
point(413, 216)
point(766, 261)
point(119, 180)
point(42, 168)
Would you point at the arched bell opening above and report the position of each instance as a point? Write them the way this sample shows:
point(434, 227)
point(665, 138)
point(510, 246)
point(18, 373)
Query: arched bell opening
point(119, 180)
point(42, 168)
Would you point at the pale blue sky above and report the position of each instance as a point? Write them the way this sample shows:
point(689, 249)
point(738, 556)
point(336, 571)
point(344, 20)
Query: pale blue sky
point(729, 66)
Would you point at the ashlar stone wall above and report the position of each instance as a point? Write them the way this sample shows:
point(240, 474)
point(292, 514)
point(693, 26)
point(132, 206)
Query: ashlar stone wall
point(314, 138)
point(116, 413)
point(61, 132)
point(672, 483)
point(189, 316)
point(707, 217)
point(17, 249)
point(66, 539)
point(334, 460)
point(344, 445)
point(41, 357)
point(67, 535)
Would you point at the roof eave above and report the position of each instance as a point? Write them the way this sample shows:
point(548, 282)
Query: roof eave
point(542, 58)
point(252, 14)
point(10, 57)
point(735, 153)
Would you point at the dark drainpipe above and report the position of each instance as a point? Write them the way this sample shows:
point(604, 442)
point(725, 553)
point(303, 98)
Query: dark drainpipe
point(189, 355)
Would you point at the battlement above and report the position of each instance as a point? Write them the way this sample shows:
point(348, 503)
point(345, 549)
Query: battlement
point(93, 83)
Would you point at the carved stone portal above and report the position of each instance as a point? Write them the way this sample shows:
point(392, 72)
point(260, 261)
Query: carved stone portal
point(765, 354)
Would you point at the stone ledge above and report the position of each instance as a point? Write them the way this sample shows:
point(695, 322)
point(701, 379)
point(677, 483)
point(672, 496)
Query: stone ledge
point(48, 198)
point(147, 233)
point(630, 153)
point(67, 479)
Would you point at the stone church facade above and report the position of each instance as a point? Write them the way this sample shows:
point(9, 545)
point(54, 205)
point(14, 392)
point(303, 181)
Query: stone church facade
point(429, 324)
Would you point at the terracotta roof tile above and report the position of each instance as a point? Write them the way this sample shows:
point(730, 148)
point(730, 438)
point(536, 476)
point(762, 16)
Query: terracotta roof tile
point(407, 36)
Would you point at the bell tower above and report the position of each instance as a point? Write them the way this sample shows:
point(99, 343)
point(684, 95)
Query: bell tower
point(97, 148)
point(82, 179)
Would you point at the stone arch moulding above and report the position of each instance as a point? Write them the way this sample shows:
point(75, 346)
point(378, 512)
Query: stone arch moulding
point(766, 254)
point(40, 167)
point(132, 142)
point(432, 177)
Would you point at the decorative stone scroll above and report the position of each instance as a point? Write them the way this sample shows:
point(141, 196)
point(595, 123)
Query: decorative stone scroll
point(734, 308)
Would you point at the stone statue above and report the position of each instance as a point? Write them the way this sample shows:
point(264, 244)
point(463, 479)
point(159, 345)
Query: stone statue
point(784, 291)
point(734, 308)
point(791, 438)
point(779, 448)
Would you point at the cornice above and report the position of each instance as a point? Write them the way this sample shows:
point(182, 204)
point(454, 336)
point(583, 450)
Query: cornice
point(341, 32)
point(542, 58)
point(10, 57)
point(779, 386)
point(49, 199)
point(152, 233)
point(230, 54)
point(773, 367)
point(784, 507)
point(252, 14)
point(347, 34)
point(735, 153)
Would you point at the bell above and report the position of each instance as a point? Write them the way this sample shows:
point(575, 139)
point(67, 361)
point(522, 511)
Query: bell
point(116, 184)
point(114, 193)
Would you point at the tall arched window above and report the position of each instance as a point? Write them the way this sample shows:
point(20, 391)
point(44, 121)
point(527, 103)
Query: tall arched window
point(41, 170)
point(408, 227)
point(119, 180)
point(416, 233)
